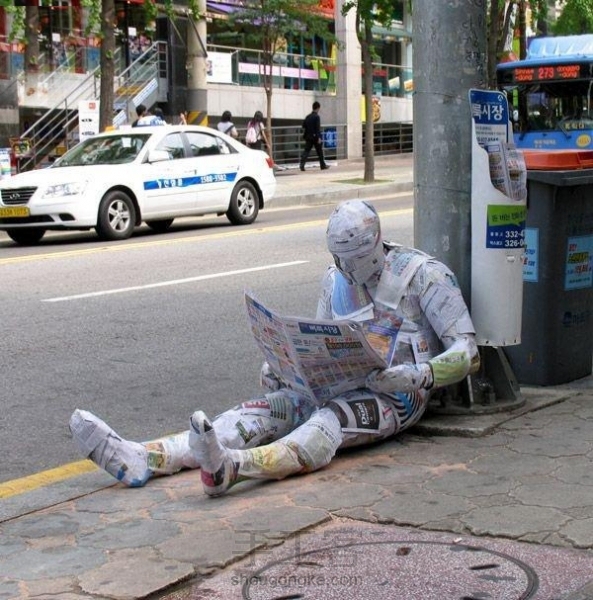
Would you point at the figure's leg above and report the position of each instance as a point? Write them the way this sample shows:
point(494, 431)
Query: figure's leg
point(319, 149)
point(126, 461)
point(249, 424)
point(357, 418)
point(305, 154)
point(367, 417)
point(309, 447)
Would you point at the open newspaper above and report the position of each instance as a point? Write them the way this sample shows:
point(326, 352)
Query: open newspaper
point(319, 359)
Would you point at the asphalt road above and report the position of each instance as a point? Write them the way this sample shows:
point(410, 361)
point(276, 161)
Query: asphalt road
point(143, 332)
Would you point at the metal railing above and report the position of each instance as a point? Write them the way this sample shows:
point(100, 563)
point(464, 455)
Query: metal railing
point(392, 138)
point(59, 125)
point(140, 81)
point(288, 144)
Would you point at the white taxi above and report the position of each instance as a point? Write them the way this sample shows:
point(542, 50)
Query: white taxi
point(114, 181)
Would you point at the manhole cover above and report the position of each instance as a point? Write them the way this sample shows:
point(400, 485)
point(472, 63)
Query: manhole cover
point(386, 570)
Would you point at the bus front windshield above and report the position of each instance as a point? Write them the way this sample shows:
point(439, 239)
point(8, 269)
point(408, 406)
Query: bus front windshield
point(553, 107)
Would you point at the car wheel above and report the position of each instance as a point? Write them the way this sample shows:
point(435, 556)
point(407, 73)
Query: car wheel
point(160, 226)
point(26, 237)
point(244, 204)
point(117, 217)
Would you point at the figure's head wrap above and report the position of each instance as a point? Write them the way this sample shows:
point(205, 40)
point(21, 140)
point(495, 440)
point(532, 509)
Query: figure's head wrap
point(354, 240)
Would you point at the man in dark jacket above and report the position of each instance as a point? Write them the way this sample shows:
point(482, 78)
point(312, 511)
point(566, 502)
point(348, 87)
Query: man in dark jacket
point(312, 136)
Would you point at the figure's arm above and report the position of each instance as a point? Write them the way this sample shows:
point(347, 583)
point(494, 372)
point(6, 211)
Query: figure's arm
point(324, 311)
point(443, 304)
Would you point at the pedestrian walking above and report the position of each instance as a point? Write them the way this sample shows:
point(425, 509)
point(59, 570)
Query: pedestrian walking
point(312, 137)
point(256, 132)
point(226, 125)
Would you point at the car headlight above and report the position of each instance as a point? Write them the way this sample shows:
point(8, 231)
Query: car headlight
point(65, 189)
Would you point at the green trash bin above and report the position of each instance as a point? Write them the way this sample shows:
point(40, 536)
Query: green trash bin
point(557, 326)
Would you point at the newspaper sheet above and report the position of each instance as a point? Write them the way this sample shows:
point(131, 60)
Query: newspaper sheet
point(319, 359)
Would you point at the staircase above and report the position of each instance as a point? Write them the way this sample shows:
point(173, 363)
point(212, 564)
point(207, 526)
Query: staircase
point(57, 129)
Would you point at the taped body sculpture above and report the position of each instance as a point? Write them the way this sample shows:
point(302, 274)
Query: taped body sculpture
point(399, 294)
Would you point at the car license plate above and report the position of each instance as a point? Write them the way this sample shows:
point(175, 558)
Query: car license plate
point(14, 211)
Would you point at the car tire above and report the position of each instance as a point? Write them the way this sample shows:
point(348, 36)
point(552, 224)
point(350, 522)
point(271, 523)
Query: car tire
point(244, 205)
point(26, 237)
point(160, 226)
point(116, 218)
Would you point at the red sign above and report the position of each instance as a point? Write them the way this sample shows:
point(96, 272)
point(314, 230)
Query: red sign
point(546, 73)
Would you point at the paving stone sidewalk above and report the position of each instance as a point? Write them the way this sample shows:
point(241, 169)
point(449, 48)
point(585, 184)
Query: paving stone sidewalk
point(523, 488)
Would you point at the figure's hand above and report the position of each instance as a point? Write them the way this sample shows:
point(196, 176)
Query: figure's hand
point(267, 378)
point(402, 378)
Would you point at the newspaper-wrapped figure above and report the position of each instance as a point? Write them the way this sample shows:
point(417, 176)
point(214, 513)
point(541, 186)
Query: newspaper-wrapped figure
point(394, 310)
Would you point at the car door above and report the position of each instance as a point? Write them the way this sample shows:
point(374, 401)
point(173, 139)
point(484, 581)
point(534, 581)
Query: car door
point(169, 184)
point(216, 164)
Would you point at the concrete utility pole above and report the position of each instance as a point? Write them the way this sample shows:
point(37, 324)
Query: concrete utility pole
point(449, 57)
point(197, 93)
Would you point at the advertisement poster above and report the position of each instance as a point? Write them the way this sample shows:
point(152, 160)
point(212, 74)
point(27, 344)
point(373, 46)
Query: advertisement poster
point(579, 267)
point(490, 112)
point(88, 118)
point(219, 67)
point(531, 259)
point(506, 226)
point(4, 163)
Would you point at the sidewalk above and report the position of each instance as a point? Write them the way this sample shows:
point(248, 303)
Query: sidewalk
point(494, 506)
point(342, 181)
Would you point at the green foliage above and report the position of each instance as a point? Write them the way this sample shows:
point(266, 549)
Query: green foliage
point(539, 10)
point(17, 30)
point(151, 10)
point(576, 18)
point(93, 25)
point(269, 21)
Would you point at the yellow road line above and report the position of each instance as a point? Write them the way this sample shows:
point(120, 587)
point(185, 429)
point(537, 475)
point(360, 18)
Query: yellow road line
point(33, 482)
point(182, 240)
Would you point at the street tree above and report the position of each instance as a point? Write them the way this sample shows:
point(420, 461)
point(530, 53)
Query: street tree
point(269, 24)
point(576, 17)
point(107, 64)
point(505, 19)
point(369, 13)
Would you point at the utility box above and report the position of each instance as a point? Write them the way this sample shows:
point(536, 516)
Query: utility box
point(557, 316)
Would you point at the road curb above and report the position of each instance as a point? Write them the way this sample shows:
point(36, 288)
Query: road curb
point(331, 197)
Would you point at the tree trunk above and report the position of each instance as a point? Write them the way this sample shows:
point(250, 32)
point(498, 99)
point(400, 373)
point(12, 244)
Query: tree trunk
point(107, 94)
point(268, 86)
point(32, 48)
point(522, 29)
point(369, 130)
point(32, 34)
point(493, 33)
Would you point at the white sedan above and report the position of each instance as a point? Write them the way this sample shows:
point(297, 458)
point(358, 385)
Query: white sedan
point(116, 180)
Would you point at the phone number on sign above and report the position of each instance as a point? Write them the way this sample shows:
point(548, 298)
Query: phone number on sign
point(514, 239)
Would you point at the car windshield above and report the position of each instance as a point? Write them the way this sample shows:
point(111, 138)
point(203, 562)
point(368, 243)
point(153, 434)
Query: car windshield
point(111, 150)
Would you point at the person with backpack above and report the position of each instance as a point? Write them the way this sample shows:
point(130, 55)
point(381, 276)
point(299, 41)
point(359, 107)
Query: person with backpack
point(312, 136)
point(256, 132)
point(227, 126)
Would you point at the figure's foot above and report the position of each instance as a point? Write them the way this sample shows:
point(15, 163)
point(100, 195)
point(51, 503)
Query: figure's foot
point(302, 167)
point(324, 167)
point(218, 470)
point(126, 461)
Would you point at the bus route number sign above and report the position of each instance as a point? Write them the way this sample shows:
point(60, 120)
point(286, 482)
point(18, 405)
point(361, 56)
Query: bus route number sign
point(546, 73)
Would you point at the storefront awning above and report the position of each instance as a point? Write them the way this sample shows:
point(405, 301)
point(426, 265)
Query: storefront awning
point(222, 8)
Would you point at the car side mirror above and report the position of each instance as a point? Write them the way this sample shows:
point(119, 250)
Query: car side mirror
point(158, 156)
